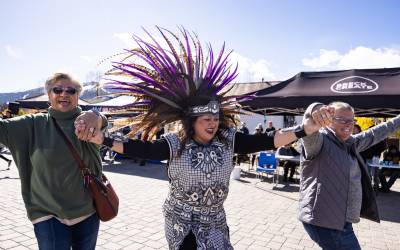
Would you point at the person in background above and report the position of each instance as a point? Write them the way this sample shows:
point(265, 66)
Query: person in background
point(239, 158)
point(105, 150)
point(335, 188)
point(9, 161)
point(244, 129)
point(287, 165)
point(7, 114)
point(356, 129)
point(59, 207)
point(392, 155)
point(257, 131)
point(270, 127)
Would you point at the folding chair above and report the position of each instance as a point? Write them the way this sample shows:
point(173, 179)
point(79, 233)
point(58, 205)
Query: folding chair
point(267, 164)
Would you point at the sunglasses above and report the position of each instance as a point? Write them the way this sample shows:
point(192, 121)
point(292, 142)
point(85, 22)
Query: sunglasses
point(344, 121)
point(68, 90)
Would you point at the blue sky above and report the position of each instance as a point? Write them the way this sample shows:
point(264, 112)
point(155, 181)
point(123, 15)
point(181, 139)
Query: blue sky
point(271, 39)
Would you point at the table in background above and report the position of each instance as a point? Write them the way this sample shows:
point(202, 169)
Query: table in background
point(379, 166)
point(288, 158)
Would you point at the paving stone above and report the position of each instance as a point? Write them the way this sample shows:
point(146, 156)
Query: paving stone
point(153, 244)
point(19, 248)
point(259, 216)
point(274, 245)
point(111, 246)
point(278, 239)
point(246, 241)
point(292, 246)
point(6, 244)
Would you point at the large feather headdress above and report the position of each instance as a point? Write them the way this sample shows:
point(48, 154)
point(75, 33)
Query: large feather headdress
point(171, 81)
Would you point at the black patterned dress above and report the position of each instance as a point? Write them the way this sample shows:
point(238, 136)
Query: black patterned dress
point(199, 185)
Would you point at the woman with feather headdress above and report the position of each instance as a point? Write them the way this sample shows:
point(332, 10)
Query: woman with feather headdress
point(178, 84)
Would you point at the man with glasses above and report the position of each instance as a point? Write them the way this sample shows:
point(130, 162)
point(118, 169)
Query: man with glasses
point(335, 188)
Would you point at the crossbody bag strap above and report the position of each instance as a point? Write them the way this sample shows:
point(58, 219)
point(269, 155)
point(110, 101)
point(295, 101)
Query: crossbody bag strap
point(71, 147)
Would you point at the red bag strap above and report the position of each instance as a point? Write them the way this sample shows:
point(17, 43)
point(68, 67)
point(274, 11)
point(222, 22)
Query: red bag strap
point(71, 147)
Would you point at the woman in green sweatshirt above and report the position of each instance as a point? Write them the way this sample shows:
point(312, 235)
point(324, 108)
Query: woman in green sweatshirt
point(57, 203)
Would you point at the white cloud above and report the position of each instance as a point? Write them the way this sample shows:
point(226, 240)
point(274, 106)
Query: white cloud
point(326, 58)
point(13, 52)
point(359, 57)
point(250, 70)
point(362, 57)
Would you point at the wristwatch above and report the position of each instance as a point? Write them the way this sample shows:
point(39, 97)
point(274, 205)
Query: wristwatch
point(299, 131)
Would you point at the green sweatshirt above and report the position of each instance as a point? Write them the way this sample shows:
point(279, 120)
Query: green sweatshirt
point(51, 181)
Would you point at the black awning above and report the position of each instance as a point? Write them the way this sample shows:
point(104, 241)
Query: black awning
point(372, 92)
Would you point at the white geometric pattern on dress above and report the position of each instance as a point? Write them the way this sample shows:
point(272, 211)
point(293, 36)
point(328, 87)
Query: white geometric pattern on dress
point(206, 158)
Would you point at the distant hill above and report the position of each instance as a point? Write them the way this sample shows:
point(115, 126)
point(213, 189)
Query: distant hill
point(13, 96)
point(90, 90)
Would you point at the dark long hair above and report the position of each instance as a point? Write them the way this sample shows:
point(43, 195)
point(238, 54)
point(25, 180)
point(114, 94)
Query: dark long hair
point(187, 131)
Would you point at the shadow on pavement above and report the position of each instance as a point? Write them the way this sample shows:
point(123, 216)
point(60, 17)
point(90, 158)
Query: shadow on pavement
point(282, 186)
point(156, 171)
point(243, 181)
point(286, 187)
point(389, 206)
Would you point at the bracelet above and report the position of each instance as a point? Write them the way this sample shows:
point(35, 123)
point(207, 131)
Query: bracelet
point(299, 131)
point(108, 142)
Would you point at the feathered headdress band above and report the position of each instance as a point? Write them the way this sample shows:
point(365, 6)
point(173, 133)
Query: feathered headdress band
point(174, 79)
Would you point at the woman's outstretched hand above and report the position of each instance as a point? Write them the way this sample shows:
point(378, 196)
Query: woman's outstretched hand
point(97, 137)
point(88, 128)
point(87, 125)
point(321, 117)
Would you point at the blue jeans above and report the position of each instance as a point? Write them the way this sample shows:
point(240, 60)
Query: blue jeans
point(333, 239)
point(54, 235)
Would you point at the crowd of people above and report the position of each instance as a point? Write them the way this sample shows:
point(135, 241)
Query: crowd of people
point(335, 185)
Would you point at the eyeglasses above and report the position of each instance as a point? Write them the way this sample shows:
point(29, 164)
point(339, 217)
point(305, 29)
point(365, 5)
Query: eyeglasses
point(344, 121)
point(68, 90)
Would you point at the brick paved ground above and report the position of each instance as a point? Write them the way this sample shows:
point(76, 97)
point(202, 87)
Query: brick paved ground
point(259, 216)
